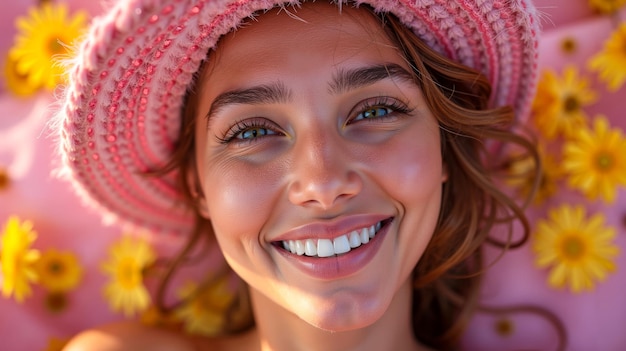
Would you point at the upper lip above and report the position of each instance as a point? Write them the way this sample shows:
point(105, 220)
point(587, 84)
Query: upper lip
point(331, 229)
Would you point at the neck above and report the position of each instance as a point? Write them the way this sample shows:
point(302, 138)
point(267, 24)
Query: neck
point(279, 329)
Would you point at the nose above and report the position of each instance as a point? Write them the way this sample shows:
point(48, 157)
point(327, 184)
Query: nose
point(323, 172)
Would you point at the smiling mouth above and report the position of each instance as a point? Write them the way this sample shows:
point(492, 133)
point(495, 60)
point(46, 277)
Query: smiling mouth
point(340, 245)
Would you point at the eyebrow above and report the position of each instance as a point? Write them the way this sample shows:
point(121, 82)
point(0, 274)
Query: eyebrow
point(260, 94)
point(344, 80)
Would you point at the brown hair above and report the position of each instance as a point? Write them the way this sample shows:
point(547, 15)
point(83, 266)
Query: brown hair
point(447, 278)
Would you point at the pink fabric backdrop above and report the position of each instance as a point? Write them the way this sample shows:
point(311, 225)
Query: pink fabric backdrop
point(594, 320)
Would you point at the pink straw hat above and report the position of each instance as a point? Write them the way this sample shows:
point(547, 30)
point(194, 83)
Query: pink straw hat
point(121, 112)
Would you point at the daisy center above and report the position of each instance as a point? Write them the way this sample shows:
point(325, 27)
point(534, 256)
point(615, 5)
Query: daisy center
point(571, 103)
point(56, 268)
point(604, 161)
point(128, 273)
point(56, 302)
point(573, 247)
point(54, 46)
point(568, 45)
point(4, 179)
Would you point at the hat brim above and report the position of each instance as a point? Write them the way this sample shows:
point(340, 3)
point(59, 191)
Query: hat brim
point(121, 111)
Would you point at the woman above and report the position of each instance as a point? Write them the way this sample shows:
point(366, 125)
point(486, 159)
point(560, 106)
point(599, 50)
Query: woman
point(330, 151)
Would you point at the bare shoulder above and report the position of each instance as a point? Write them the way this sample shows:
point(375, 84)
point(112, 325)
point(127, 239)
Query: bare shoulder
point(124, 336)
point(133, 336)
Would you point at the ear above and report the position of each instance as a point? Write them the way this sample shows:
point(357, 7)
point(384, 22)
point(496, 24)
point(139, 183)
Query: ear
point(201, 205)
point(444, 172)
point(196, 192)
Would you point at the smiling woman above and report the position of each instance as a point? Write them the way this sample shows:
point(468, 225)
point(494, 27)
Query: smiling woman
point(305, 165)
point(344, 165)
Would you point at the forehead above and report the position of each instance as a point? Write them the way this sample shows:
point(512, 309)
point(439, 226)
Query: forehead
point(310, 18)
point(279, 37)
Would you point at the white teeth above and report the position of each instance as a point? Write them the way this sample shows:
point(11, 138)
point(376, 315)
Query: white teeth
point(325, 248)
point(341, 245)
point(300, 247)
point(365, 236)
point(310, 249)
point(330, 247)
point(355, 241)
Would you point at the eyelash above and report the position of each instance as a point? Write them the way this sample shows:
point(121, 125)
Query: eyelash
point(384, 102)
point(245, 125)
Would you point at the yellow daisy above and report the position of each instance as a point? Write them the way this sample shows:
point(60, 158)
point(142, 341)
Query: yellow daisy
point(154, 317)
point(5, 180)
point(522, 176)
point(58, 271)
point(610, 63)
point(595, 160)
point(569, 45)
point(204, 311)
point(42, 36)
point(18, 258)
point(128, 260)
point(607, 6)
point(558, 105)
point(578, 251)
point(56, 301)
point(16, 82)
point(56, 344)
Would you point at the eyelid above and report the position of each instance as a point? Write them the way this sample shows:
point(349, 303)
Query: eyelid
point(395, 104)
point(240, 126)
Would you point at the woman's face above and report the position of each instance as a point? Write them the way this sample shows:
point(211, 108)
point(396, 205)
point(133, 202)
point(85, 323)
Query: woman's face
point(319, 161)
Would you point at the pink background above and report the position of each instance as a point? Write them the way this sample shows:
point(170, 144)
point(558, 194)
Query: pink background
point(594, 320)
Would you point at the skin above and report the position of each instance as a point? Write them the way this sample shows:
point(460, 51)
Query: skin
point(326, 157)
point(318, 161)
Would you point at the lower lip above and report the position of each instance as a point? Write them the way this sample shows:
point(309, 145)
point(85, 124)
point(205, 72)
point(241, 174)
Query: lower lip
point(335, 267)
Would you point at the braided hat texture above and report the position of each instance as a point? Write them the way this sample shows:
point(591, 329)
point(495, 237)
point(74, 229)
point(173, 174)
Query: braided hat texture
point(121, 111)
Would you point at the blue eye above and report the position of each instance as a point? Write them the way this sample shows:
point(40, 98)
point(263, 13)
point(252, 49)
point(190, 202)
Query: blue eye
point(379, 109)
point(254, 132)
point(249, 130)
point(374, 112)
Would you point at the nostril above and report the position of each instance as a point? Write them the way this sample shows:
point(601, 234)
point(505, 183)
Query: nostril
point(326, 187)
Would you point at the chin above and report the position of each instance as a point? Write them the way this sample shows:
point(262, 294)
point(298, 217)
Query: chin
point(342, 317)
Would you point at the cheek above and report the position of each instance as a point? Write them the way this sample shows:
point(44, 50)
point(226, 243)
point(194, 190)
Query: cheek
point(413, 171)
point(415, 183)
point(239, 200)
